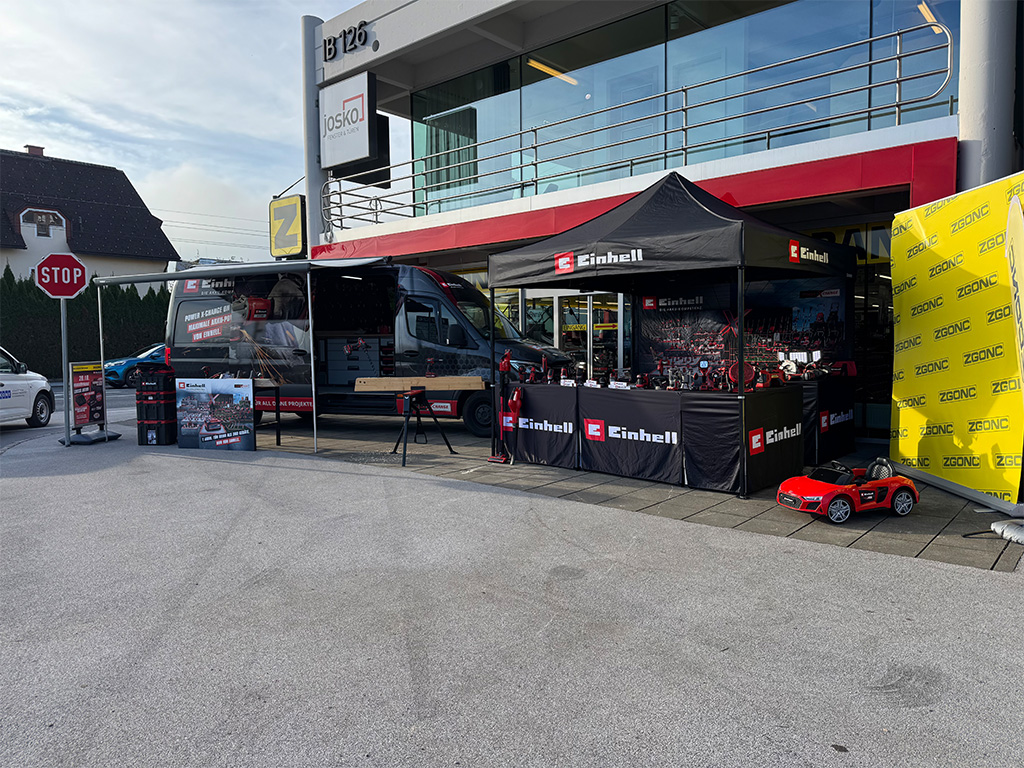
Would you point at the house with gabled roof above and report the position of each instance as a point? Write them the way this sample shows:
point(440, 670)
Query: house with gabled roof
point(50, 205)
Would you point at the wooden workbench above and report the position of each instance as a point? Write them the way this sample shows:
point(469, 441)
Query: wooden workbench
point(408, 383)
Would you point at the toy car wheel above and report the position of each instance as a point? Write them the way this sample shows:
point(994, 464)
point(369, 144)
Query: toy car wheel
point(902, 502)
point(839, 510)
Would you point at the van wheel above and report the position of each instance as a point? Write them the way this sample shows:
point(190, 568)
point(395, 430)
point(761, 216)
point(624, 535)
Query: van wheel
point(478, 413)
point(41, 411)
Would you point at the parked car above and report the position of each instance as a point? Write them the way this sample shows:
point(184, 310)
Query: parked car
point(836, 492)
point(124, 370)
point(23, 394)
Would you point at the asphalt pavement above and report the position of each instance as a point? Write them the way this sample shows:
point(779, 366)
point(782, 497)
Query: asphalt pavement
point(167, 607)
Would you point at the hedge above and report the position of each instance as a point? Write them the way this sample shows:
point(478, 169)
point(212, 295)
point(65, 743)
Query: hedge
point(30, 323)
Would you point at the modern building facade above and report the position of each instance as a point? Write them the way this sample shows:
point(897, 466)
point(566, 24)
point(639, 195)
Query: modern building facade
point(528, 117)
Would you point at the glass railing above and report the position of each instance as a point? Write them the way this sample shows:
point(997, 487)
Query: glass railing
point(677, 127)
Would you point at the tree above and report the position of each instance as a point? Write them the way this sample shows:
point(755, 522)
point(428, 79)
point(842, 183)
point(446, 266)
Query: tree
point(30, 323)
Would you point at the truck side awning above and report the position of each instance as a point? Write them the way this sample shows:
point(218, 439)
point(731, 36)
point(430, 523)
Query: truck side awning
point(299, 266)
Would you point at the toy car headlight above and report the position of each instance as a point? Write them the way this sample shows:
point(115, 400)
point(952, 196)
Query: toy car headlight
point(812, 498)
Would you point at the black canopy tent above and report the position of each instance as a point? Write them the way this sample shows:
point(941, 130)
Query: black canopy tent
point(668, 236)
point(671, 227)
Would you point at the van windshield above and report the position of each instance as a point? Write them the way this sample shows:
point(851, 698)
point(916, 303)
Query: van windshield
point(475, 306)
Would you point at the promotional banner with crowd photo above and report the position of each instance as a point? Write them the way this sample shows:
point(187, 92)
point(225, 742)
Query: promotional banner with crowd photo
point(215, 413)
point(958, 409)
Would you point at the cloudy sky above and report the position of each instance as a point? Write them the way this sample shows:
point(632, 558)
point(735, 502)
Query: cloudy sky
point(197, 101)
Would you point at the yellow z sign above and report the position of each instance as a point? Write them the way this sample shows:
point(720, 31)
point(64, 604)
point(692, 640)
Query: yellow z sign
point(288, 226)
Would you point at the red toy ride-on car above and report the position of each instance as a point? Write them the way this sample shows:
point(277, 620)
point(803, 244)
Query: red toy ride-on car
point(836, 491)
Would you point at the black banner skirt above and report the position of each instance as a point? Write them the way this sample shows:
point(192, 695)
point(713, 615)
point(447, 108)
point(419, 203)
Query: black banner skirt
point(633, 433)
point(545, 432)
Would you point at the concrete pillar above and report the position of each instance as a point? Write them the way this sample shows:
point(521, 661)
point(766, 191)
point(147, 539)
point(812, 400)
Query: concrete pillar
point(316, 177)
point(987, 72)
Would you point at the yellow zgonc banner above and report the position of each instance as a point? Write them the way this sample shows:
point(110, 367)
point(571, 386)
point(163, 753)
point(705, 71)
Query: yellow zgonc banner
point(1015, 264)
point(957, 409)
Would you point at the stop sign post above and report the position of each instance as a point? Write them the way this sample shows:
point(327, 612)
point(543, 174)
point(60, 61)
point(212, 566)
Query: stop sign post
point(62, 276)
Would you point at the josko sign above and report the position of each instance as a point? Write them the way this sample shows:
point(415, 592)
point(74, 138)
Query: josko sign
point(348, 121)
point(958, 411)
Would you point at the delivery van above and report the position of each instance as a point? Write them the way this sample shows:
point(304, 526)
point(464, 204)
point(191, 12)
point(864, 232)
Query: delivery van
point(375, 320)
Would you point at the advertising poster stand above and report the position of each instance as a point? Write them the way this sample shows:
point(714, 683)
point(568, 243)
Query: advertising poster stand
point(215, 414)
point(88, 404)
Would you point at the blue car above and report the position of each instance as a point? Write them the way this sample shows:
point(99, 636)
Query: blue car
point(124, 370)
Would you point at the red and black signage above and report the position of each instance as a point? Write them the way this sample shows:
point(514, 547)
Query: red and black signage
point(774, 439)
point(828, 419)
point(545, 432)
point(633, 433)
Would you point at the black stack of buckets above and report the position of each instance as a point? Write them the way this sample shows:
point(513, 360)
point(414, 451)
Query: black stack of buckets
point(155, 405)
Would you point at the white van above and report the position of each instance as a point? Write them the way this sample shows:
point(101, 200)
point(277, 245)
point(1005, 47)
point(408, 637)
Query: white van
point(23, 394)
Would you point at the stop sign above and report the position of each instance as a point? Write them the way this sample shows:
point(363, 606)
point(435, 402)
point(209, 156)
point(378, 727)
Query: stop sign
point(61, 276)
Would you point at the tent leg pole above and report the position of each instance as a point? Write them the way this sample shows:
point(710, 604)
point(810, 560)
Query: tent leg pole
point(312, 363)
point(103, 371)
point(741, 379)
point(495, 394)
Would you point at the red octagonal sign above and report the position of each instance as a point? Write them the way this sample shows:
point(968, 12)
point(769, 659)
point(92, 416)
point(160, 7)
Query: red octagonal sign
point(61, 276)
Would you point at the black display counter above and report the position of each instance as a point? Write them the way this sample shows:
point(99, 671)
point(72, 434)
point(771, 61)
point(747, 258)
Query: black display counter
point(828, 419)
point(707, 440)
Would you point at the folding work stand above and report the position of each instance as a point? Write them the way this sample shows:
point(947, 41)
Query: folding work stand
point(416, 400)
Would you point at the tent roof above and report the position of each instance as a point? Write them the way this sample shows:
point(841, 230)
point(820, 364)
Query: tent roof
point(673, 226)
point(297, 266)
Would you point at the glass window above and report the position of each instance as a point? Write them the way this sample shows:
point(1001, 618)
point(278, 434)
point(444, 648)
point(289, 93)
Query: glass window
point(617, 64)
point(892, 15)
point(460, 131)
point(592, 108)
point(421, 319)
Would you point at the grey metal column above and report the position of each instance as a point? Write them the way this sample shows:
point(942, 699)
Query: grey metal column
point(985, 114)
point(312, 353)
point(64, 366)
point(316, 177)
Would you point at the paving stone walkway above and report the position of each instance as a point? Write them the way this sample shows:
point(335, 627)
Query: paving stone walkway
point(933, 531)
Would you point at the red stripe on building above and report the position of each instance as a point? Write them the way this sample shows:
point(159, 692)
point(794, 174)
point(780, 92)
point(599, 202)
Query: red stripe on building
point(928, 169)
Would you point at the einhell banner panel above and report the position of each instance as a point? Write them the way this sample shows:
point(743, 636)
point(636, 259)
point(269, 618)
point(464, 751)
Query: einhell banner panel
point(545, 432)
point(958, 412)
point(215, 413)
point(774, 443)
point(634, 433)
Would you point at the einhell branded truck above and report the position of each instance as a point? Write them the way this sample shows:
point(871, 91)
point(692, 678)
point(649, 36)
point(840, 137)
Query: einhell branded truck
point(369, 319)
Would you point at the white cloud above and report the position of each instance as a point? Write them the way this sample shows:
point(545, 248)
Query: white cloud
point(199, 103)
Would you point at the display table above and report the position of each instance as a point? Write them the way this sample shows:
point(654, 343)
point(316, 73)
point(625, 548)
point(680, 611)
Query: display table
point(709, 440)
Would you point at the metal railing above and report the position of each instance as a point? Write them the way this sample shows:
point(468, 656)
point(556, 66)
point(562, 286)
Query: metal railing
point(452, 178)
